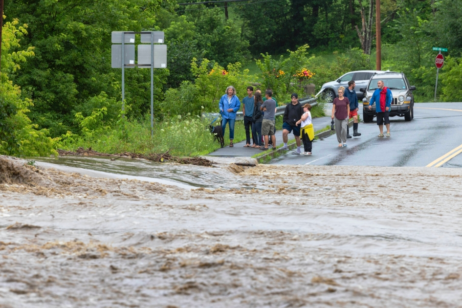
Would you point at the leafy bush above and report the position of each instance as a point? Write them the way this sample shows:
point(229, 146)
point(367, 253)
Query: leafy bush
point(18, 136)
point(286, 75)
point(206, 91)
point(98, 112)
point(451, 80)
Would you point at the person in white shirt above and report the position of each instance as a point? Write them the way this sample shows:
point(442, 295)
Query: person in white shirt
point(307, 129)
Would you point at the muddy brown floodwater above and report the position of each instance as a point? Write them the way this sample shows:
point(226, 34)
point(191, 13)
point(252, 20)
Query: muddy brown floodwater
point(268, 236)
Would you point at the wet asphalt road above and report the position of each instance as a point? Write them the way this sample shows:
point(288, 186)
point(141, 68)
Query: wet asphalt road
point(435, 131)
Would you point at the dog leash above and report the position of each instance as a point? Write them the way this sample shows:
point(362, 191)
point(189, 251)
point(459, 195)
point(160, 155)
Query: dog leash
point(214, 120)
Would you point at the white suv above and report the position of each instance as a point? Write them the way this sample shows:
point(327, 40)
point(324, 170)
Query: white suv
point(403, 98)
point(329, 90)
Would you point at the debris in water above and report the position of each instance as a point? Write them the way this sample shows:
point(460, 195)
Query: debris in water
point(18, 225)
point(319, 279)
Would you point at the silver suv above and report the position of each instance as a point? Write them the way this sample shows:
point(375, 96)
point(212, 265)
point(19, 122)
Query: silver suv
point(329, 90)
point(403, 98)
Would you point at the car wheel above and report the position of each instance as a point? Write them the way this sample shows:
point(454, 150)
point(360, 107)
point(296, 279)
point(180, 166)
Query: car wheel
point(367, 118)
point(329, 95)
point(408, 116)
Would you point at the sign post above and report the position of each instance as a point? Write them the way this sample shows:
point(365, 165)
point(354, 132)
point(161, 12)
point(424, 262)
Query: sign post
point(439, 62)
point(149, 56)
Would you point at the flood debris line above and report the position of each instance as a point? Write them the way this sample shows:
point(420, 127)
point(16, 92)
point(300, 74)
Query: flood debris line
point(275, 236)
point(161, 157)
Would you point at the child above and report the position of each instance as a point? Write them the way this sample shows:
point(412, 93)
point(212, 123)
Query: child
point(307, 131)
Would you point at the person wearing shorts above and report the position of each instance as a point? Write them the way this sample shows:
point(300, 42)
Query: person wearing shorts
point(350, 93)
point(382, 99)
point(292, 114)
point(268, 124)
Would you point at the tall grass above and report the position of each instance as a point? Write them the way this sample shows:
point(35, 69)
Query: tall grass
point(188, 136)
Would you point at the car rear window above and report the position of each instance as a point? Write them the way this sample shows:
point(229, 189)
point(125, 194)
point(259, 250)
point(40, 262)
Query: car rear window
point(363, 76)
point(391, 83)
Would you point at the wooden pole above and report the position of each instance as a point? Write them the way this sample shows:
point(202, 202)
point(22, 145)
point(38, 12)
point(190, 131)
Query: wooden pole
point(378, 36)
point(226, 10)
point(1, 30)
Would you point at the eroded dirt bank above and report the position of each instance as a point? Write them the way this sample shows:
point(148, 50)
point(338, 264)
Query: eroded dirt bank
point(260, 237)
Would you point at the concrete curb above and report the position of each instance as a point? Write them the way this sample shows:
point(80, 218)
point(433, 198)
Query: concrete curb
point(267, 157)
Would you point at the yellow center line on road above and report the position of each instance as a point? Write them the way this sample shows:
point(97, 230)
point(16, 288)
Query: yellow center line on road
point(448, 156)
point(445, 158)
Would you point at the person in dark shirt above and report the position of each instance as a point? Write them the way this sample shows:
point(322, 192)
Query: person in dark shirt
point(248, 103)
point(257, 119)
point(340, 111)
point(292, 114)
point(350, 93)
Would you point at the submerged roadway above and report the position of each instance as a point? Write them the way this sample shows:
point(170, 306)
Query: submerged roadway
point(432, 139)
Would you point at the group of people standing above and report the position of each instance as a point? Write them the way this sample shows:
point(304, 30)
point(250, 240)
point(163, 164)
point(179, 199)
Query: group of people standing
point(346, 106)
point(260, 117)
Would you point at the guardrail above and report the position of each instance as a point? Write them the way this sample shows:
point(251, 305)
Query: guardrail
point(279, 110)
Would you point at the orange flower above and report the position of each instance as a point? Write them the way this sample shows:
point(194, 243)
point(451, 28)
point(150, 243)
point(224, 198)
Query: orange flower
point(305, 74)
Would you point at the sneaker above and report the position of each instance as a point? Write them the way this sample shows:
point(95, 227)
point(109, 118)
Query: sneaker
point(344, 145)
point(307, 153)
point(380, 135)
point(296, 153)
point(285, 147)
point(387, 135)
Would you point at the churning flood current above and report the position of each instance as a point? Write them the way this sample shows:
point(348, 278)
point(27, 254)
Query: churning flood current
point(94, 232)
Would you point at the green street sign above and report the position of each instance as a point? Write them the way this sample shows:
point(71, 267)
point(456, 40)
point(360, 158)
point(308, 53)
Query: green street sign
point(440, 49)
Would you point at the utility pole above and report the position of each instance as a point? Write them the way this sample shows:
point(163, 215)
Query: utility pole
point(1, 30)
point(378, 39)
point(226, 10)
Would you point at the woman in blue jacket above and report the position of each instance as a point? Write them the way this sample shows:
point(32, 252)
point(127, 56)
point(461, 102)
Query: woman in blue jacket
point(229, 105)
point(382, 99)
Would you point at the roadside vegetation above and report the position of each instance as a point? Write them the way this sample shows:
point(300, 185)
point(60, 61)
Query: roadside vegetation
point(59, 91)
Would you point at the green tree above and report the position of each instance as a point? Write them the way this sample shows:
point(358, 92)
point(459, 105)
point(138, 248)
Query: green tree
point(18, 135)
point(451, 80)
point(72, 42)
point(221, 39)
point(447, 25)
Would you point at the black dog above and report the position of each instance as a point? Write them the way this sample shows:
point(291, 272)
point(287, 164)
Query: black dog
point(217, 132)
